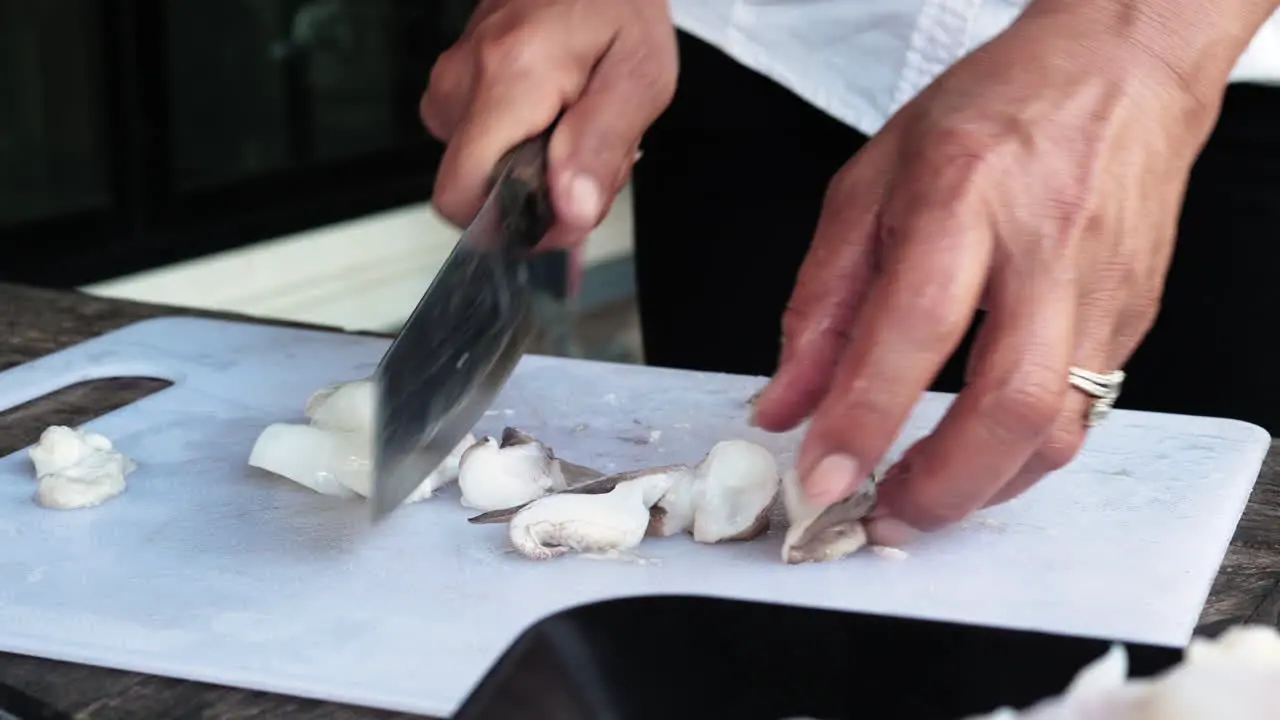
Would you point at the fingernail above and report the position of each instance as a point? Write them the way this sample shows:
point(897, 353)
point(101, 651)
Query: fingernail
point(834, 478)
point(885, 530)
point(585, 199)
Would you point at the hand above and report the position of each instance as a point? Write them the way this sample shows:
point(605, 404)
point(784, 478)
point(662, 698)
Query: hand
point(608, 65)
point(1041, 177)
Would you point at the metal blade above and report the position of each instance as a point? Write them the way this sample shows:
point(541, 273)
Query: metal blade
point(465, 336)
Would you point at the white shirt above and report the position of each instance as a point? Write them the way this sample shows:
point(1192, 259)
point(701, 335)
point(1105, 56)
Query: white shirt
point(861, 60)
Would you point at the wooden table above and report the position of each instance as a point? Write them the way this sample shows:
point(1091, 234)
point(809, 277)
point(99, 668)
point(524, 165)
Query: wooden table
point(38, 322)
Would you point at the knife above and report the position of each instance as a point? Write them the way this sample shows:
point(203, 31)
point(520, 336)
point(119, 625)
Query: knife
point(466, 334)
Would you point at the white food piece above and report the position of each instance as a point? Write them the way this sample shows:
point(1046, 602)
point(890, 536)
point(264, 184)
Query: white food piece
point(333, 454)
point(344, 406)
point(322, 460)
point(607, 524)
point(75, 469)
point(1235, 676)
point(734, 487)
point(800, 545)
point(493, 476)
point(361, 483)
point(889, 552)
point(676, 507)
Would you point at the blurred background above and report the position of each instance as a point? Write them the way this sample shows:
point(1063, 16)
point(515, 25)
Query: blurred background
point(256, 156)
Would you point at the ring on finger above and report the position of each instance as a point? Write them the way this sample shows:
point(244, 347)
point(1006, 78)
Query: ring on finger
point(1104, 388)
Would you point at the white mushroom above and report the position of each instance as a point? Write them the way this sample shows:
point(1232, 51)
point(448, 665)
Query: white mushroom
point(333, 454)
point(75, 469)
point(734, 487)
point(599, 524)
point(493, 476)
point(726, 497)
point(822, 534)
point(600, 486)
point(674, 512)
point(508, 473)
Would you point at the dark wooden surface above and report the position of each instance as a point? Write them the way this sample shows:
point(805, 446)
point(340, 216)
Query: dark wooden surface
point(37, 322)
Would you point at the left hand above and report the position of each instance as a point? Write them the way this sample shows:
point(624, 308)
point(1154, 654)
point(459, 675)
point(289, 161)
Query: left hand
point(1041, 177)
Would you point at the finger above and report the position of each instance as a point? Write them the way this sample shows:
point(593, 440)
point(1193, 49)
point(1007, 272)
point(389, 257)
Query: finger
point(829, 290)
point(562, 236)
point(448, 93)
point(1003, 415)
point(1109, 326)
point(595, 143)
point(913, 317)
point(1067, 436)
point(523, 76)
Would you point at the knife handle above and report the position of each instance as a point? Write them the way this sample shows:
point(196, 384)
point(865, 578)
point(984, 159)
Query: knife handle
point(523, 193)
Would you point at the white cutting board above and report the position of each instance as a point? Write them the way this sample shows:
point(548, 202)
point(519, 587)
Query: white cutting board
point(210, 570)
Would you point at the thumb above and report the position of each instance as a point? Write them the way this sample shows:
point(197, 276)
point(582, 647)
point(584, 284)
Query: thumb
point(594, 144)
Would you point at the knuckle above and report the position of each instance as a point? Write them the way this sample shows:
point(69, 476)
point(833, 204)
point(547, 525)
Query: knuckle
point(938, 307)
point(517, 51)
point(1027, 404)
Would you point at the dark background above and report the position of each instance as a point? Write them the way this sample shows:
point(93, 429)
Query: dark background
point(137, 133)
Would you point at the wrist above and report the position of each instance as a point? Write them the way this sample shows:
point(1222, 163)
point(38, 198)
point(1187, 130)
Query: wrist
point(1197, 42)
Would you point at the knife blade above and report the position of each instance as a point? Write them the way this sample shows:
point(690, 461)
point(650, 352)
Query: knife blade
point(465, 335)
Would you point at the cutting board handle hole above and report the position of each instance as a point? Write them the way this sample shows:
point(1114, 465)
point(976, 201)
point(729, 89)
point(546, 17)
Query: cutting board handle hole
point(70, 406)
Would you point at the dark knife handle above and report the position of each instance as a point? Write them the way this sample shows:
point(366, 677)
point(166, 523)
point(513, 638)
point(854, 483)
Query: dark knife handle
point(523, 194)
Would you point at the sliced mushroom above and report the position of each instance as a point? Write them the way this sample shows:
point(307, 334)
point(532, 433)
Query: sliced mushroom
point(600, 524)
point(822, 534)
point(598, 486)
point(513, 471)
point(734, 487)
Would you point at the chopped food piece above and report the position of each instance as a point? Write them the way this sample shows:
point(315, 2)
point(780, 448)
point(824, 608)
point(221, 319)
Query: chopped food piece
point(822, 534)
point(75, 469)
point(726, 497)
point(333, 454)
point(734, 487)
point(507, 473)
point(599, 524)
point(598, 486)
point(891, 553)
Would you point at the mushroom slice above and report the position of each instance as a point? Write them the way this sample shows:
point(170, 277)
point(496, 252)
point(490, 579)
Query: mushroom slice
point(598, 486)
point(673, 514)
point(509, 472)
point(734, 487)
point(822, 534)
point(565, 475)
point(599, 524)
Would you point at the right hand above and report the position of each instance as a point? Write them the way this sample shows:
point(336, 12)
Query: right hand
point(608, 65)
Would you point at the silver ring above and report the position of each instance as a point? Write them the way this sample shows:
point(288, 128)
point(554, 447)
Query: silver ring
point(1103, 388)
